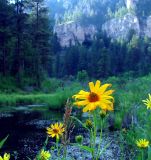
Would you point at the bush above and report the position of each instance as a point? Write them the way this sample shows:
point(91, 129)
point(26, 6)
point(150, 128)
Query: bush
point(51, 85)
point(7, 84)
point(82, 76)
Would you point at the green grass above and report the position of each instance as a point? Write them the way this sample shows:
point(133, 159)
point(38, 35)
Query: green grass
point(54, 100)
point(130, 112)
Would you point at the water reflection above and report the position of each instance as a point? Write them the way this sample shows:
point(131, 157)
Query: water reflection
point(26, 130)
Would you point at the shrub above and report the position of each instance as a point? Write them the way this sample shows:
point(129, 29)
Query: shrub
point(82, 76)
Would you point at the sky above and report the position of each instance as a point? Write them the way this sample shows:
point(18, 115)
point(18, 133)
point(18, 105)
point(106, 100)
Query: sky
point(12, 1)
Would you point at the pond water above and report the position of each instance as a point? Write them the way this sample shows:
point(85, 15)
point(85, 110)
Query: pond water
point(27, 130)
point(26, 126)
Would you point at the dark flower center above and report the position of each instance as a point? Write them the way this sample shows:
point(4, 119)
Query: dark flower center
point(56, 131)
point(93, 97)
point(143, 145)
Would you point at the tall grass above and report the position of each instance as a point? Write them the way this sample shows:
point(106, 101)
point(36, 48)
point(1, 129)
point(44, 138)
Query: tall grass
point(130, 112)
point(54, 100)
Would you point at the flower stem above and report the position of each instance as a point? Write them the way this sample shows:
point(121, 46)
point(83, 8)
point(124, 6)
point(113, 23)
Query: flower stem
point(57, 146)
point(142, 154)
point(94, 134)
point(91, 143)
point(65, 151)
point(99, 146)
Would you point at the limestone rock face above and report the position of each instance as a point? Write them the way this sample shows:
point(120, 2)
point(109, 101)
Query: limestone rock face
point(95, 16)
point(77, 20)
point(72, 32)
point(120, 27)
point(131, 4)
point(148, 27)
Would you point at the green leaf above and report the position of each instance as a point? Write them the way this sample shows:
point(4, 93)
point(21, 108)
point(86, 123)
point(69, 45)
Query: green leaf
point(104, 149)
point(3, 141)
point(86, 148)
point(46, 142)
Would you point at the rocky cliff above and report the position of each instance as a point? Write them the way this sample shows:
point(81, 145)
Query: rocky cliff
point(131, 4)
point(147, 30)
point(120, 27)
point(72, 32)
point(78, 20)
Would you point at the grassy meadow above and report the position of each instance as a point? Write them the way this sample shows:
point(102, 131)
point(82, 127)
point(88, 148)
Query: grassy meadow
point(55, 100)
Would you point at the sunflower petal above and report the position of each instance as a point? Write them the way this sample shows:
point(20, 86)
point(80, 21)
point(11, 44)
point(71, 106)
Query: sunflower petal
point(106, 106)
point(81, 103)
point(88, 107)
point(97, 84)
point(104, 87)
point(109, 92)
point(91, 85)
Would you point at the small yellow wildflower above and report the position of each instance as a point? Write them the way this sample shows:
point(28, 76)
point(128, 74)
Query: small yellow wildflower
point(147, 102)
point(142, 143)
point(55, 130)
point(44, 155)
point(5, 157)
point(97, 97)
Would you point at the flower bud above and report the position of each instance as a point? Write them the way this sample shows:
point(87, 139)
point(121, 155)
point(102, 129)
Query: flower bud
point(103, 114)
point(89, 123)
point(79, 139)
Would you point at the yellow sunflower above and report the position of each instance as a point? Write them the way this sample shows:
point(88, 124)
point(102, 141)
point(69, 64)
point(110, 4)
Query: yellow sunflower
point(55, 130)
point(44, 155)
point(5, 157)
point(142, 143)
point(98, 96)
point(147, 102)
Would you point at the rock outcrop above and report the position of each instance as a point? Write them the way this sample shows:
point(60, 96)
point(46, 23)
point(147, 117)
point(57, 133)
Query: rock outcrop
point(72, 32)
point(96, 13)
point(131, 4)
point(120, 27)
point(147, 30)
